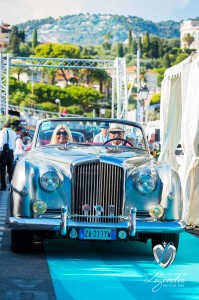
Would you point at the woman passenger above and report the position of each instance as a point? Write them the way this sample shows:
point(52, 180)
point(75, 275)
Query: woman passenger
point(61, 135)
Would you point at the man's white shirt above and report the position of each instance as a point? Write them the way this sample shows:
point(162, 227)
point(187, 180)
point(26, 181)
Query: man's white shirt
point(99, 138)
point(4, 138)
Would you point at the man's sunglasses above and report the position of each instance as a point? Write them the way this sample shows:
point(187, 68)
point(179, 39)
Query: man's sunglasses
point(62, 132)
point(116, 132)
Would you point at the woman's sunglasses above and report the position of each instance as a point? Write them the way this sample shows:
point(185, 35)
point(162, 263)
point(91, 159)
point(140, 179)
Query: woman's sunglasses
point(62, 132)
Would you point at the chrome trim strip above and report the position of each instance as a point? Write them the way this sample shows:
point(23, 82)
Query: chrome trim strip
point(55, 225)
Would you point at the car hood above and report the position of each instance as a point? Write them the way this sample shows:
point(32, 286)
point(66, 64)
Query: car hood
point(76, 155)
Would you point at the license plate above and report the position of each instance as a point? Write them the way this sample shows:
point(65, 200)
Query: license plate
point(97, 234)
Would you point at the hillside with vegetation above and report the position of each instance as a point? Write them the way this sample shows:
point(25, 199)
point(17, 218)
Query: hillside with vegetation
point(159, 46)
point(90, 29)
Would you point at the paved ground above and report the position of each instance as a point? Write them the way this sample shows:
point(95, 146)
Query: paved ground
point(22, 276)
point(68, 270)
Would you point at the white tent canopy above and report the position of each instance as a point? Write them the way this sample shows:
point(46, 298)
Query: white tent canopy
point(179, 122)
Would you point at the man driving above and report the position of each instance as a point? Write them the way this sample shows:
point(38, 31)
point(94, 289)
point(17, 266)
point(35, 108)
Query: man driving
point(116, 132)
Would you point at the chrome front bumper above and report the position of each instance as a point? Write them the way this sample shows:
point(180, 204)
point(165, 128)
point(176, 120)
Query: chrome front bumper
point(64, 223)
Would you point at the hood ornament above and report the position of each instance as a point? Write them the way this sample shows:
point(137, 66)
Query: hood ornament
point(85, 208)
point(99, 210)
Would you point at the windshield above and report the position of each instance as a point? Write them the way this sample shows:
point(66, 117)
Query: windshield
point(89, 132)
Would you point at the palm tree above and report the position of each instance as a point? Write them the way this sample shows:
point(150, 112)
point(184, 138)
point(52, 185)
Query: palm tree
point(188, 39)
point(100, 76)
point(50, 74)
point(20, 70)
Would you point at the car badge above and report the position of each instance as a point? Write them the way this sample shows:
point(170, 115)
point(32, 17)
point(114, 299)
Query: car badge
point(85, 208)
point(164, 256)
point(99, 209)
point(73, 234)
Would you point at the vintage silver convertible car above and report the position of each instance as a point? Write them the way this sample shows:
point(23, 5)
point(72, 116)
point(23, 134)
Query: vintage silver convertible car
point(110, 190)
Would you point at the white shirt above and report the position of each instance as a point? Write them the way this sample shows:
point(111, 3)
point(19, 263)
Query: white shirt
point(99, 138)
point(4, 138)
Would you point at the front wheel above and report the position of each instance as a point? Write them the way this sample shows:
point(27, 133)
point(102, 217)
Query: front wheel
point(22, 241)
point(164, 239)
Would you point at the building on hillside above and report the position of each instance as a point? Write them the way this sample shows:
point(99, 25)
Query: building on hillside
point(150, 78)
point(131, 74)
point(191, 27)
point(5, 35)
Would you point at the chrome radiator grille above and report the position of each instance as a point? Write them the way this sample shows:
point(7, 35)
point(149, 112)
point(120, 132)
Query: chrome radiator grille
point(98, 184)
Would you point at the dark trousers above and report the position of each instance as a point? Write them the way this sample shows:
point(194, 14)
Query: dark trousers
point(6, 160)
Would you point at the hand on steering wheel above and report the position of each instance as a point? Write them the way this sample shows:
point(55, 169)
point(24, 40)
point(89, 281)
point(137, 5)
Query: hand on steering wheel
point(118, 139)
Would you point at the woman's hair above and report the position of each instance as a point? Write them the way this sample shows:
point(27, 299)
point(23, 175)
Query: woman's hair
point(54, 135)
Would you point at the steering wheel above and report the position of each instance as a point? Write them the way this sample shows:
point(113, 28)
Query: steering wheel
point(118, 139)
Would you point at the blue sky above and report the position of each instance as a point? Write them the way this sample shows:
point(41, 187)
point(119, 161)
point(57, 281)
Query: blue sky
point(17, 11)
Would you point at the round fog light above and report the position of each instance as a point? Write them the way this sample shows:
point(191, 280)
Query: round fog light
point(122, 234)
point(156, 211)
point(39, 207)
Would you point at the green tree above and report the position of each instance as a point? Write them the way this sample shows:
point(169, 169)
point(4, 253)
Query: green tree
point(107, 41)
point(146, 45)
point(14, 41)
point(16, 85)
point(34, 39)
point(134, 47)
point(75, 109)
point(14, 49)
point(139, 45)
point(57, 51)
point(120, 50)
point(52, 50)
point(188, 39)
point(100, 76)
point(21, 36)
point(155, 99)
point(160, 48)
point(49, 106)
point(181, 57)
point(17, 98)
point(160, 74)
point(166, 61)
point(130, 42)
point(18, 70)
point(153, 50)
point(50, 75)
point(24, 49)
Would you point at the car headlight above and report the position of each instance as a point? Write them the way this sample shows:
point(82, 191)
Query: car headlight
point(146, 183)
point(50, 181)
point(156, 211)
point(39, 207)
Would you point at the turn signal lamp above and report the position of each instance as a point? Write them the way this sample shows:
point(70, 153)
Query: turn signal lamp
point(39, 207)
point(156, 211)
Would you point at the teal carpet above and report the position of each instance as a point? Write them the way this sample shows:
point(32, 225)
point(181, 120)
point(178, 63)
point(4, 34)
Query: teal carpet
point(92, 270)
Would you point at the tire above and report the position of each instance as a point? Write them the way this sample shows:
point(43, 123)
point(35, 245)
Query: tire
point(157, 239)
point(22, 241)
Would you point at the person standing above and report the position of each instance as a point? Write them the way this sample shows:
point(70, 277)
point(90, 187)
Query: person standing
point(7, 147)
point(20, 148)
point(103, 136)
